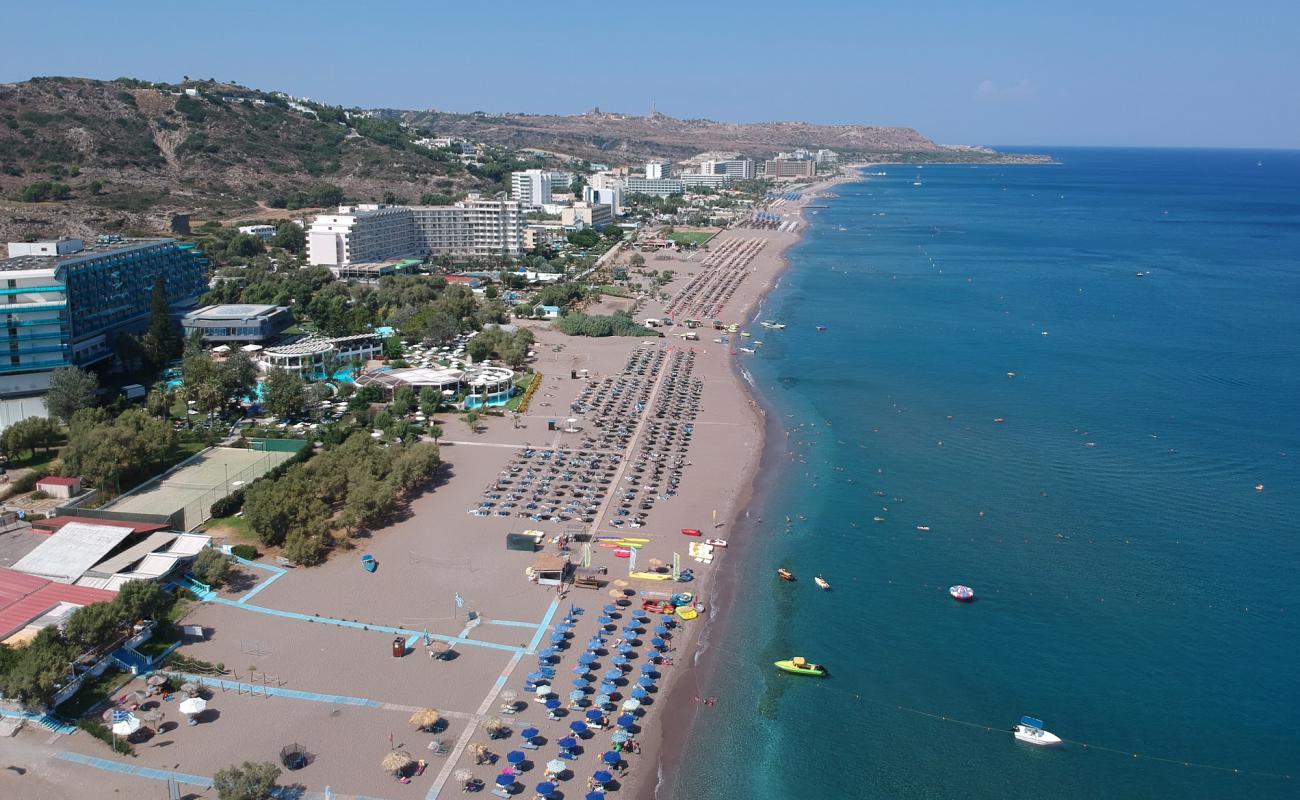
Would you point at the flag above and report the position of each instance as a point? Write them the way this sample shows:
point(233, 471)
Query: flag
point(121, 716)
point(460, 601)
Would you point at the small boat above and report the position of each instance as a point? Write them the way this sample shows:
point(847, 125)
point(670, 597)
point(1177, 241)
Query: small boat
point(962, 594)
point(716, 542)
point(690, 532)
point(687, 612)
point(776, 326)
point(923, 528)
point(746, 350)
point(799, 666)
point(1031, 731)
point(785, 574)
point(821, 582)
point(999, 419)
point(368, 563)
point(821, 328)
point(877, 519)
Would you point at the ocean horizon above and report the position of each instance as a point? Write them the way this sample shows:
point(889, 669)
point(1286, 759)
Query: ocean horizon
point(1071, 387)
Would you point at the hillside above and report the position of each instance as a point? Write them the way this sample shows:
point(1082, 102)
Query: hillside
point(602, 136)
point(124, 155)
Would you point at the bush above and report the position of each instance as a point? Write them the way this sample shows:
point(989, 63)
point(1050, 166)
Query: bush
point(211, 567)
point(229, 505)
point(245, 551)
point(102, 733)
point(41, 191)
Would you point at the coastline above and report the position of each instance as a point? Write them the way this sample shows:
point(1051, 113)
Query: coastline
point(665, 746)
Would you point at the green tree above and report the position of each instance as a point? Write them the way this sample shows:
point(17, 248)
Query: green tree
point(160, 343)
point(211, 567)
point(435, 432)
point(612, 232)
point(71, 389)
point(429, 401)
point(491, 292)
point(138, 600)
point(252, 780)
point(289, 236)
point(114, 451)
point(42, 191)
point(440, 328)
point(586, 238)
point(471, 419)
point(284, 394)
point(38, 669)
point(515, 354)
point(480, 348)
point(244, 245)
point(239, 376)
point(28, 434)
point(158, 403)
point(403, 401)
point(93, 627)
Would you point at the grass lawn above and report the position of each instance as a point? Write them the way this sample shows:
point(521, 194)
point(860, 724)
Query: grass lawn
point(234, 527)
point(90, 693)
point(39, 462)
point(691, 237)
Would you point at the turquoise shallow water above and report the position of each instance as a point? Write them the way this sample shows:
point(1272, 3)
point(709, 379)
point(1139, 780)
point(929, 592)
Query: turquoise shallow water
point(1136, 594)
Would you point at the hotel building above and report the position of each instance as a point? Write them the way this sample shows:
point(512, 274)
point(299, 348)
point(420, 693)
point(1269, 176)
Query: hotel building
point(475, 227)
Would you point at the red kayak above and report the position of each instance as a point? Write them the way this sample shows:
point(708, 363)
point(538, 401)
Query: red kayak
point(623, 553)
point(690, 532)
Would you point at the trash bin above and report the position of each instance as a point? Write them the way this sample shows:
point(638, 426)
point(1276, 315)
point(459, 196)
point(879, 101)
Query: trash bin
point(399, 647)
point(573, 373)
point(550, 424)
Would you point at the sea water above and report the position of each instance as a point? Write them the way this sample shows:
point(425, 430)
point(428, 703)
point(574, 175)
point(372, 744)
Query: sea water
point(1132, 318)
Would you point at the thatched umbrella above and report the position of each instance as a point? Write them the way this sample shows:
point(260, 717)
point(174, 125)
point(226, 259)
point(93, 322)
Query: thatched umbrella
point(156, 679)
point(426, 718)
point(615, 592)
point(656, 562)
point(462, 775)
point(480, 752)
point(509, 696)
point(396, 761)
point(189, 688)
point(493, 725)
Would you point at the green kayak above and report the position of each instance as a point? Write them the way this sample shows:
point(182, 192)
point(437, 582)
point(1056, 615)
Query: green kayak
point(799, 666)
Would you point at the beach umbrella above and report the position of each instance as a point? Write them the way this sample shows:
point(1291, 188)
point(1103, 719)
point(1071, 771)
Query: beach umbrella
point(508, 696)
point(601, 699)
point(505, 781)
point(595, 796)
point(626, 649)
point(126, 727)
point(647, 669)
point(189, 688)
point(602, 776)
point(619, 661)
point(611, 758)
point(462, 775)
point(548, 653)
point(640, 693)
point(552, 704)
point(516, 757)
point(611, 608)
point(620, 737)
point(567, 743)
point(577, 727)
point(156, 679)
point(586, 659)
point(557, 638)
point(546, 789)
point(576, 695)
point(608, 688)
point(646, 682)
point(594, 715)
point(529, 734)
point(555, 766)
point(193, 705)
point(662, 630)
point(606, 620)
point(581, 683)
point(657, 642)
point(425, 718)
point(396, 761)
point(542, 689)
point(613, 674)
point(626, 721)
point(534, 677)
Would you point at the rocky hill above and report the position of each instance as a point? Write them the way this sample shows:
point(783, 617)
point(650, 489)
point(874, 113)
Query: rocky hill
point(615, 138)
point(124, 155)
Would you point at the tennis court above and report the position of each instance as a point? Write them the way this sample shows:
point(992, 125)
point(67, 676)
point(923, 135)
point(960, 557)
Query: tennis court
point(198, 483)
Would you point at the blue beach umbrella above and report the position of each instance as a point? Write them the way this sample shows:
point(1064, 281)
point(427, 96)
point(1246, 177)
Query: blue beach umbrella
point(577, 694)
point(516, 756)
point(640, 693)
point(529, 734)
point(611, 758)
point(594, 715)
point(546, 789)
point(626, 649)
point(613, 674)
point(631, 629)
point(605, 620)
point(535, 677)
point(602, 776)
point(595, 796)
point(626, 721)
point(557, 638)
point(552, 704)
point(608, 687)
point(662, 630)
point(504, 780)
point(567, 743)
point(549, 652)
point(578, 727)
point(610, 608)
point(587, 658)
point(647, 669)
point(619, 661)
point(620, 737)
point(640, 616)
point(657, 642)
point(646, 681)
point(581, 683)
point(602, 699)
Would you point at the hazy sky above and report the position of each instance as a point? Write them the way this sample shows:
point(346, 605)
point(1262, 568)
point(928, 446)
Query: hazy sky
point(1141, 72)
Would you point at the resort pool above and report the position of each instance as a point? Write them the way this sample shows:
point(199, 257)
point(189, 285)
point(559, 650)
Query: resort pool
point(494, 399)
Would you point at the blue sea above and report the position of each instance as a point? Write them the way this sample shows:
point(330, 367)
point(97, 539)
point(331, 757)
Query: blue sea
point(1133, 318)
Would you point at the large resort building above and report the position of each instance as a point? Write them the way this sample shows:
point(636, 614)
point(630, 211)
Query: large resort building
point(475, 227)
point(65, 301)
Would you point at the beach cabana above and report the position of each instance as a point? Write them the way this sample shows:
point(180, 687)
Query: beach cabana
point(397, 762)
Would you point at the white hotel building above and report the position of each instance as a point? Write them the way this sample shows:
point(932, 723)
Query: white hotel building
point(474, 227)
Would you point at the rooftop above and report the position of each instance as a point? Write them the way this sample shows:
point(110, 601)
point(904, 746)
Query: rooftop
point(88, 252)
point(24, 598)
point(232, 311)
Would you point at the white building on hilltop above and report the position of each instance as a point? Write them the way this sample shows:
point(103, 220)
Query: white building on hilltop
point(656, 170)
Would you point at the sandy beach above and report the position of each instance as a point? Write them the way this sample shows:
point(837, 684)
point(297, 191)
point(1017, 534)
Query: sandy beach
point(310, 651)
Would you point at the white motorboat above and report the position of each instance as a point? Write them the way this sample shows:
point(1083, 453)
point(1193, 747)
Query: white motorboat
point(1031, 731)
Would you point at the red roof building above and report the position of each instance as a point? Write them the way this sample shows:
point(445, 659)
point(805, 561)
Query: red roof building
point(26, 598)
point(55, 523)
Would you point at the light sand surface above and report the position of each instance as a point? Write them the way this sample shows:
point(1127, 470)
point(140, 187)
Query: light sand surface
point(439, 552)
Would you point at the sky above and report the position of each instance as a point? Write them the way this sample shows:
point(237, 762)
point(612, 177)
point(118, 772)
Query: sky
point(1136, 73)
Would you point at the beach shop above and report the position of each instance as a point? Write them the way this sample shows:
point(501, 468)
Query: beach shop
point(548, 570)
